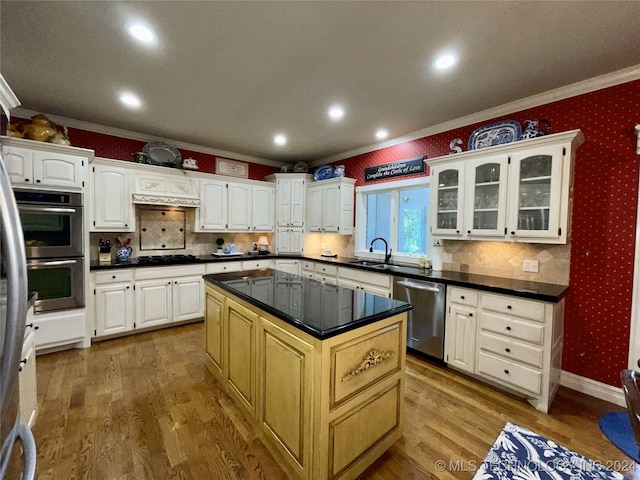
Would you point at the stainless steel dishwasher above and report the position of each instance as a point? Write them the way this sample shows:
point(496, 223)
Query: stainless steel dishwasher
point(425, 329)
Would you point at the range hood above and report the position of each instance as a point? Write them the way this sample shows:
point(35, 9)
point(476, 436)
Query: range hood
point(171, 190)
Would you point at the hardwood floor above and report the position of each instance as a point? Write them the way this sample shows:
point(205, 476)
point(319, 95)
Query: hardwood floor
point(145, 407)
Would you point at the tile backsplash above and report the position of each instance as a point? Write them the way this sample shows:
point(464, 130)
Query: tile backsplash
point(504, 259)
point(175, 242)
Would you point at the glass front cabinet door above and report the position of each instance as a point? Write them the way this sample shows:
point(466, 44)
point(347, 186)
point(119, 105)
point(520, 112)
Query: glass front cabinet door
point(447, 197)
point(535, 198)
point(485, 205)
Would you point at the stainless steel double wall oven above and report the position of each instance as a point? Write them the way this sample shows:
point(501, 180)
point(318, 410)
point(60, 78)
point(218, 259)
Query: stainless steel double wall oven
point(52, 227)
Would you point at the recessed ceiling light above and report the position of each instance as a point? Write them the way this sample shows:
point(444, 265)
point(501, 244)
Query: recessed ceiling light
point(130, 100)
point(142, 33)
point(336, 112)
point(445, 61)
point(280, 140)
point(382, 133)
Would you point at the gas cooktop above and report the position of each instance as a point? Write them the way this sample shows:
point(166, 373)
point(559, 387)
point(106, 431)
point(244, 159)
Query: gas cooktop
point(166, 259)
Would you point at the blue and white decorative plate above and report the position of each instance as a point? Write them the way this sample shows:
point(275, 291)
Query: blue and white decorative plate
point(323, 172)
point(497, 133)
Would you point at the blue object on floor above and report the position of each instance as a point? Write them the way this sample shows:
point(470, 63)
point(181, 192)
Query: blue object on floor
point(519, 454)
point(617, 428)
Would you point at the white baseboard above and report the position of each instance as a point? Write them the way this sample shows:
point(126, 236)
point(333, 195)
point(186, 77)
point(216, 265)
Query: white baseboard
point(591, 387)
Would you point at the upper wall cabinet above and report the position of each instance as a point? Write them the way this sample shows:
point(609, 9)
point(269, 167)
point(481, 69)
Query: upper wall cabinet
point(291, 193)
point(235, 206)
point(42, 165)
point(112, 209)
point(514, 192)
point(330, 206)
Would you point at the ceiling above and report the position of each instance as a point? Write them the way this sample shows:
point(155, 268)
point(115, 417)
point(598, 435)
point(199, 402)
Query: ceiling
point(230, 75)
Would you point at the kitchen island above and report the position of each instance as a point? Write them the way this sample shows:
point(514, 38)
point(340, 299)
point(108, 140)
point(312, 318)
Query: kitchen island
point(318, 369)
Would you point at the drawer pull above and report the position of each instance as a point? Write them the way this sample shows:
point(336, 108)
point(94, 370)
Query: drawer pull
point(471, 314)
point(372, 358)
point(508, 350)
point(113, 276)
point(506, 371)
point(461, 297)
point(509, 307)
point(509, 328)
point(22, 364)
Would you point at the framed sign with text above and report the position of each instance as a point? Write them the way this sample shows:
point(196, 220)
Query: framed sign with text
point(230, 167)
point(401, 168)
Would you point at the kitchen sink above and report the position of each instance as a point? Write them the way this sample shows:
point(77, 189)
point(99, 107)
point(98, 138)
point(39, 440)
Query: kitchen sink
point(376, 265)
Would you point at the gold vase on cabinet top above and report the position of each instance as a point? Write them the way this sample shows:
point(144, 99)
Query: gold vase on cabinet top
point(39, 129)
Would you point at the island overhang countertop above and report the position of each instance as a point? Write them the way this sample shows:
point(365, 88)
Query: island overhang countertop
point(324, 310)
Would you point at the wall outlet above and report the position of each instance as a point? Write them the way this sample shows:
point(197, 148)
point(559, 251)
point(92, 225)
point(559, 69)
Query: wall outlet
point(530, 266)
point(447, 258)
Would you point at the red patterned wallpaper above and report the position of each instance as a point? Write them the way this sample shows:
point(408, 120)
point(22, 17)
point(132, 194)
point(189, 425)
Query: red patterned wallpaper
point(598, 306)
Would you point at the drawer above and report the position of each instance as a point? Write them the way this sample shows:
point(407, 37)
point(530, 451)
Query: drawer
point(509, 374)
point(464, 296)
point(359, 363)
point(307, 274)
point(517, 307)
point(326, 279)
point(325, 269)
point(257, 264)
point(377, 279)
point(151, 273)
point(307, 265)
point(223, 267)
point(113, 276)
point(59, 329)
point(513, 328)
point(510, 349)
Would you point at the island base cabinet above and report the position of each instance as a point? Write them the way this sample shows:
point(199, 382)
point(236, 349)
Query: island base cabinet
point(326, 409)
point(286, 367)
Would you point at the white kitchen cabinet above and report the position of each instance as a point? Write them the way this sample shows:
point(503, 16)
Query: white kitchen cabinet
point(291, 192)
point(539, 193)
point(262, 210)
point(224, 267)
point(113, 302)
point(330, 206)
point(171, 294)
point(376, 283)
point(510, 341)
point(235, 206)
point(112, 208)
point(44, 165)
point(288, 265)
point(239, 204)
point(211, 216)
point(289, 240)
point(514, 192)
point(258, 263)
point(460, 328)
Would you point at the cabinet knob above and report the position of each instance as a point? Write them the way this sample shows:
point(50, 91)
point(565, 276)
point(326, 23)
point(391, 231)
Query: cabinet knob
point(457, 231)
point(128, 287)
point(468, 232)
point(37, 181)
point(508, 350)
point(35, 327)
point(513, 233)
point(169, 283)
point(126, 224)
point(461, 297)
point(508, 328)
point(506, 371)
point(26, 180)
point(509, 307)
point(113, 276)
point(22, 364)
point(471, 314)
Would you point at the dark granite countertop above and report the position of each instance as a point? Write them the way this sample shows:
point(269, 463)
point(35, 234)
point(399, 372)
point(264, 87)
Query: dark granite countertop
point(316, 308)
point(547, 292)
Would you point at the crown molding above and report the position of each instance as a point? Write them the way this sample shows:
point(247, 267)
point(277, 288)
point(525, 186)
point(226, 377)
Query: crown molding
point(586, 86)
point(8, 99)
point(118, 132)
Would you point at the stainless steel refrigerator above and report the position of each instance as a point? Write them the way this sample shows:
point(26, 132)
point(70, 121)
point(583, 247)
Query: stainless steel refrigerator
point(18, 448)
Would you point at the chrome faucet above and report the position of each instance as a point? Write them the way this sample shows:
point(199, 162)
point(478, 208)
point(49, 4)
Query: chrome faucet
point(387, 250)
